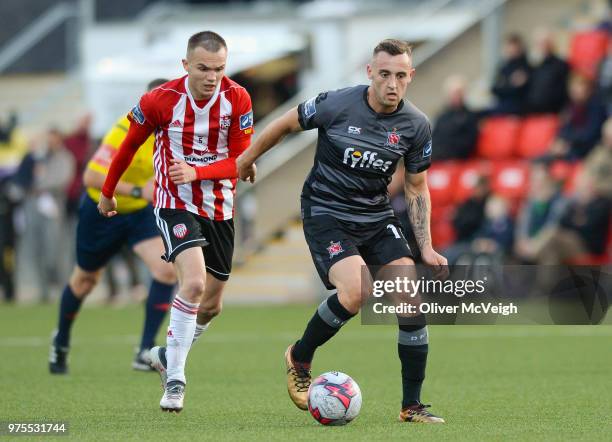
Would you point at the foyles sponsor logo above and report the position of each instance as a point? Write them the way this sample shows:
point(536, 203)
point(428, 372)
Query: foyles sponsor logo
point(364, 160)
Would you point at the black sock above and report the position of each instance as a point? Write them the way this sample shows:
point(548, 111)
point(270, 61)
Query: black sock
point(325, 323)
point(412, 350)
point(69, 307)
point(158, 303)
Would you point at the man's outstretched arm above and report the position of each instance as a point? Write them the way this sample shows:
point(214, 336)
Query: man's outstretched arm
point(266, 140)
point(135, 138)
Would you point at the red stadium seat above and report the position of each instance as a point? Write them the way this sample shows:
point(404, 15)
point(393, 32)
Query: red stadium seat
point(510, 179)
point(587, 49)
point(441, 178)
point(536, 134)
point(497, 137)
point(442, 232)
point(572, 177)
point(467, 176)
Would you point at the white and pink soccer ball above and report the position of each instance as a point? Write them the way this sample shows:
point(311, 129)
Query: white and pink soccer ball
point(334, 398)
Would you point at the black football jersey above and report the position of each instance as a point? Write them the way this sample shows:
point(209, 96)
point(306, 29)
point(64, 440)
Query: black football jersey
point(357, 152)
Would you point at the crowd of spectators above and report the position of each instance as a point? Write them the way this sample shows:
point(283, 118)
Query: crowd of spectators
point(40, 188)
point(564, 215)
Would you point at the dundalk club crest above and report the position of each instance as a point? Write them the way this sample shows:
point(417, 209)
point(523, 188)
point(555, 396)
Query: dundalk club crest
point(393, 138)
point(335, 248)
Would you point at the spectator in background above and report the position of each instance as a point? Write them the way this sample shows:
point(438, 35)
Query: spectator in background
point(604, 80)
point(468, 220)
point(581, 122)
point(547, 92)
point(78, 144)
point(583, 228)
point(512, 80)
point(495, 237)
point(456, 128)
point(469, 215)
point(540, 213)
point(12, 149)
point(598, 165)
point(45, 173)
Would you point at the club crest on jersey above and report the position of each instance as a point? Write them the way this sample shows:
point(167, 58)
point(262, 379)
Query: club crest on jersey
point(225, 121)
point(137, 115)
point(427, 149)
point(335, 248)
point(180, 230)
point(393, 138)
point(246, 120)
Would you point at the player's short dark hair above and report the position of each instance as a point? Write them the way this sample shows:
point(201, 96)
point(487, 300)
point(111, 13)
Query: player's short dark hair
point(209, 40)
point(155, 83)
point(393, 46)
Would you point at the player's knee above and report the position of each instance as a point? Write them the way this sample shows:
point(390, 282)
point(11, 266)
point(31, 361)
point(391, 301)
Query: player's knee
point(209, 310)
point(193, 289)
point(82, 283)
point(405, 261)
point(164, 272)
point(349, 296)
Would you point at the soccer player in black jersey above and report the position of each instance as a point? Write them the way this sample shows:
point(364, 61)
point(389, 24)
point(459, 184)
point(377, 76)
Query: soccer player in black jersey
point(363, 132)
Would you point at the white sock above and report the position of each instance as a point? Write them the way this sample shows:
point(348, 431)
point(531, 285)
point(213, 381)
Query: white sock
point(199, 330)
point(180, 335)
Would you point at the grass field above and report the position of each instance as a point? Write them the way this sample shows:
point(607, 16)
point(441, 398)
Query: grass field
point(488, 382)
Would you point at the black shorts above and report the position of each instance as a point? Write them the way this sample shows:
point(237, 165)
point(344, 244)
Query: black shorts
point(331, 239)
point(182, 230)
point(99, 238)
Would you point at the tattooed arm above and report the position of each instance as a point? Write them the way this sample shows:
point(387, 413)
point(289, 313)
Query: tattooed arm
point(419, 213)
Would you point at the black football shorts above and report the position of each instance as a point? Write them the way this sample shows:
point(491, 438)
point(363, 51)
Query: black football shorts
point(181, 230)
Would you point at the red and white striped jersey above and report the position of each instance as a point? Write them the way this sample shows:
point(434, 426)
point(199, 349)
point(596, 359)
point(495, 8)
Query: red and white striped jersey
point(199, 133)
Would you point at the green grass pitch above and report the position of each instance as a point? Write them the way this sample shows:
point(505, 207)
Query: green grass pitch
point(488, 382)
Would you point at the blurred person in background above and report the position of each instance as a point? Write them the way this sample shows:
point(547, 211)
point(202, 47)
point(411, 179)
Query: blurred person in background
point(494, 239)
point(98, 239)
point(581, 122)
point(469, 216)
point(44, 174)
point(456, 128)
point(604, 79)
point(511, 84)
point(468, 219)
point(598, 165)
point(540, 213)
point(547, 92)
point(12, 149)
point(582, 229)
point(78, 143)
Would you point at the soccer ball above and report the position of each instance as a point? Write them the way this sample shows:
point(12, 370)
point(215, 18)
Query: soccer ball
point(334, 398)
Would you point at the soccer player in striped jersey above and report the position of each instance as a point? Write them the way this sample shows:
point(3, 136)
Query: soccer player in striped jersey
point(98, 239)
point(201, 122)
